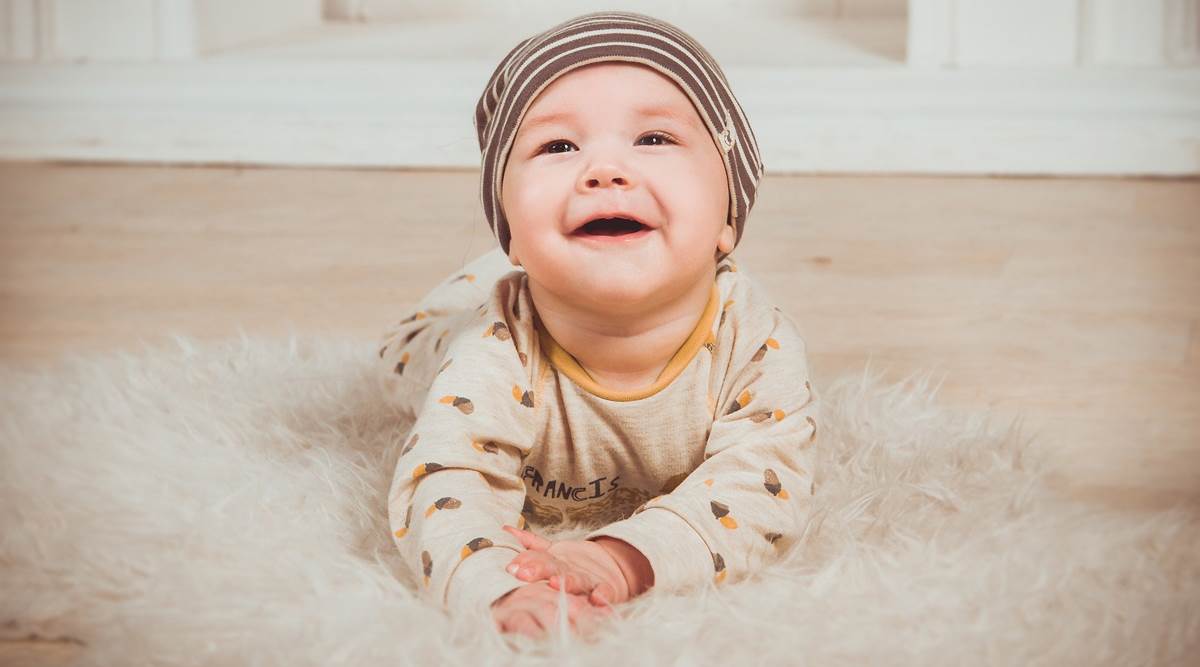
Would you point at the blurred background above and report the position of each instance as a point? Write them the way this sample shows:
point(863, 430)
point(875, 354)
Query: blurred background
point(1002, 193)
point(841, 86)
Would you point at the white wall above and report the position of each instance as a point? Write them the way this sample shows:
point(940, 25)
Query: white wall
point(1053, 33)
point(990, 86)
point(394, 10)
point(142, 30)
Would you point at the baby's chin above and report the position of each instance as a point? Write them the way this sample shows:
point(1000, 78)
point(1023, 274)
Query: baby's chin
point(622, 291)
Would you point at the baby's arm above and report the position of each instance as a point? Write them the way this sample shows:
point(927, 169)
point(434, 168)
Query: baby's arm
point(750, 496)
point(457, 479)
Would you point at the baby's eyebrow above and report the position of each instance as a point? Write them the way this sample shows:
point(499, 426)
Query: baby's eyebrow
point(669, 113)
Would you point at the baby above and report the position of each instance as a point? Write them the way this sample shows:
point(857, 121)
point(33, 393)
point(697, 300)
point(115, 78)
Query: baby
point(611, 366)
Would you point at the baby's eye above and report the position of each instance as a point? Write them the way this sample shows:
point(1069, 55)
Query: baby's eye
point(557, 146)
point(656, 139)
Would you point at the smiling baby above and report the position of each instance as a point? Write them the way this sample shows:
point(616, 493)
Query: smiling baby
point(608, 365)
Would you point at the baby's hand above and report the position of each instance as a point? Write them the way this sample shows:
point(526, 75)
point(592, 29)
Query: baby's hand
point(532, 610)
point(579, 567)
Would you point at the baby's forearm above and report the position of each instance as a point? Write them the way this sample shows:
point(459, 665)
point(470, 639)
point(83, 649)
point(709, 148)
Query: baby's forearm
point(639, 576)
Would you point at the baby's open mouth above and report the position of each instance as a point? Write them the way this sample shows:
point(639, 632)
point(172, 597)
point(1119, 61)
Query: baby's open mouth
point(611, 227)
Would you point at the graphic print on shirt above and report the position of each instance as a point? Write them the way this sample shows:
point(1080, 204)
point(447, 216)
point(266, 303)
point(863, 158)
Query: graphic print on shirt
point(771, 481)
point(475, 545)
point(523, 397)
point(719, 566)
point(463, 403)
point(744, 399)
point(401, 364)
point(426, 468)
point(412, 442)
point(499, 330)
point(401, 532)
point(489, 447)
point(721, 511)
point(762, 351)
point(444, 503)
point(595, 502)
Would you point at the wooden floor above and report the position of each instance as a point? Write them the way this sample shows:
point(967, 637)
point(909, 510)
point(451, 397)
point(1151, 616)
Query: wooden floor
point(1074, 303)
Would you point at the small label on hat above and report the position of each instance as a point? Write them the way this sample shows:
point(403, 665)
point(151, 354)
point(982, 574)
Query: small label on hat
point(726, 135)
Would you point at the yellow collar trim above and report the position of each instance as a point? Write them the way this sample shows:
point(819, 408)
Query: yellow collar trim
point(566, 363)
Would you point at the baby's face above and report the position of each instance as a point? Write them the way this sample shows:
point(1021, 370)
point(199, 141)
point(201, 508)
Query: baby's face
point(615, 140)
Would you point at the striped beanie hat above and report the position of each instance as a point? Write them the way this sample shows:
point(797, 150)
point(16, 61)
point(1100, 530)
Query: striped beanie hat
point(605, 37)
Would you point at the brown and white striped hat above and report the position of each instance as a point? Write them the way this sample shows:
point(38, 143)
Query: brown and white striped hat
point(603, 37)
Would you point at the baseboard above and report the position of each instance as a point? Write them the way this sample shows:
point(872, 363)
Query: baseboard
point(405, 114)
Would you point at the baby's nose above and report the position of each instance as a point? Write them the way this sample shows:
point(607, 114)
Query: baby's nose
point(603, 176)
point(615, 180)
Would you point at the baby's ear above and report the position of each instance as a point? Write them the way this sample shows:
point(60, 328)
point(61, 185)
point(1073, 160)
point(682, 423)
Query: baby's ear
point(726, 239)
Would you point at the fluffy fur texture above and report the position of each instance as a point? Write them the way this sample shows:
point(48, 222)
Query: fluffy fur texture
point(224, 504)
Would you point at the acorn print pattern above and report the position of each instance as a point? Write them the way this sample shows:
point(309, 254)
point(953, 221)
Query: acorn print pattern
point(773, 538)
point(762, 351)
point(765, 415)
point(499, 330)
point(446, 503)
point(426, 468)
point(488, 447)
point(399, 370)
point(426, 566)
point(413, 334)
point(719, 567)
point(771, 481)
point(401, 532)
point(463, 404)
point(523, 397)
point(710, 343)
point(721, 511)
point(740, 402)
point(412, 442)
point(475, 545)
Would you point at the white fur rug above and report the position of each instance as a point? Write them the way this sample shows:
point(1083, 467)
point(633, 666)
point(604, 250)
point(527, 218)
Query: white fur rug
point(224, 504)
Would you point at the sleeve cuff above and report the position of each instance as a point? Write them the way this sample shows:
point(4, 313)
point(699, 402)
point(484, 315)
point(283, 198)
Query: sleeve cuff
point(480, 579)
point(679, 557)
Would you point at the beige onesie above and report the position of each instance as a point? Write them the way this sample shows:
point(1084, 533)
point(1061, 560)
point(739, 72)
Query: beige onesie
point(708, 472)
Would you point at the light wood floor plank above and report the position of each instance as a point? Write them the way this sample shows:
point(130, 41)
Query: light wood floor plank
point(1072, 302)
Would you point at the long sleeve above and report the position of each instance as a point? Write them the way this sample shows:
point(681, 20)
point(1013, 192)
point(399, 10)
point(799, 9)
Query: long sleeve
point(457, 480)
point(751, 494)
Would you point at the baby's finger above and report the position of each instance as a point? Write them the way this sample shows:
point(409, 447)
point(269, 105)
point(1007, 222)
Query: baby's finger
point(602, 595)
point(572, 582)
point(524, 623)
point(586, 620)
point(533, 566)
point(528, 539)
